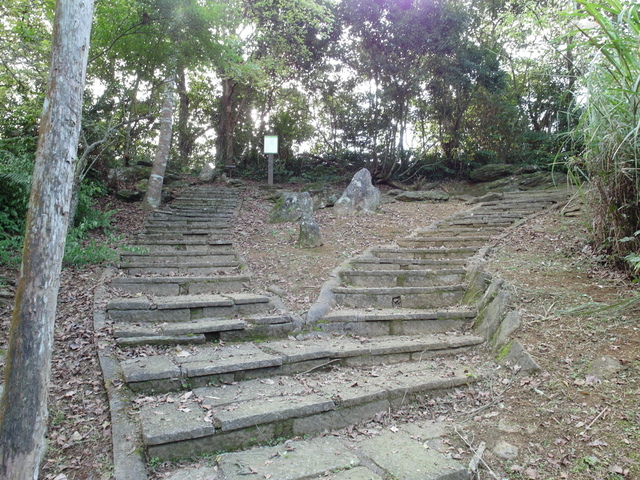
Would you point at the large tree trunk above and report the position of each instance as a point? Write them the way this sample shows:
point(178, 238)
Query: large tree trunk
point(23, 407)
point(156, 179)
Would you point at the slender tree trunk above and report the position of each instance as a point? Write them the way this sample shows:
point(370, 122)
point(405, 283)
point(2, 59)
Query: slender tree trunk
point(23, 407)
point(156, 179)
point(185, 138)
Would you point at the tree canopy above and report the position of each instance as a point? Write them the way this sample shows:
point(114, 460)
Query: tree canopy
point(408, 88)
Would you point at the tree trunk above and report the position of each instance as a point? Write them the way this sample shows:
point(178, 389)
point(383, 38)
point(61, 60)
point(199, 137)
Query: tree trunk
point(23, 407)
point(185, 137)
point(156, 179)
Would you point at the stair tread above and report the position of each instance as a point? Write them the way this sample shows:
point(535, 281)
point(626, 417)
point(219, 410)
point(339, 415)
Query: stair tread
point(211, 410)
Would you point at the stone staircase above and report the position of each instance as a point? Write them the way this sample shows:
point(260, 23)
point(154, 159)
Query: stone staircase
point(214, 366)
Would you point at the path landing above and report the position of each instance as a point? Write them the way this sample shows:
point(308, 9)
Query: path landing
point(198, 363)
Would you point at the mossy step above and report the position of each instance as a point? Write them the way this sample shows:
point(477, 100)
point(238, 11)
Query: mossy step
point(426, 241)
point(184, 308)
point(201, 365)
point(231, 417)
point(372, 264)
point(399, 297)
point(444, 230)
point(185, 285)
point(440, 253)
point(222, 255)
point(402, 278)
point(195, 268)
point(396, 321)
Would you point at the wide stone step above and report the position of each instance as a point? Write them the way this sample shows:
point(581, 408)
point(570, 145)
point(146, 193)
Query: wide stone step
point(396, 321)
point(406, 263)
point(433, 242)
point(186, 285)
point(172, 243)
point(445, 230)
point(402, 278)
point(179, 257)
point(399, 454)
point(184, 308)
point(399, 297)
point(441, 253)
point(229, 417)
point(198, 365)
point(182, 268)
point(220, 232)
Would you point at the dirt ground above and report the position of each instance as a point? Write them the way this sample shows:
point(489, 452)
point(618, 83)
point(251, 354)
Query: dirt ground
point(578, 419)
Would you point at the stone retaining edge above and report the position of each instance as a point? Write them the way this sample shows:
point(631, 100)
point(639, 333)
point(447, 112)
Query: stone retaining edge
point(496, 301)
point(128, 457)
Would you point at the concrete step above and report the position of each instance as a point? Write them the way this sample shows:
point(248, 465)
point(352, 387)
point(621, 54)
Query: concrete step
point(185, 308)
point(179, 257)
point(444, 230)
point(396, 321)
point(186, 285)
point(371, 263)
point(412, 451)
point(402, 278)
point(141, 268)
point(399, 297)
point(224, 417)
point(441, 253)
point(434, 242)
point(179, 242)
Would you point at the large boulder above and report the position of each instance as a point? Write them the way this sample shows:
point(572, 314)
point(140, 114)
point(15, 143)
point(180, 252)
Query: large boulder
point(491, 172)
point(359, 196)
point(290, 207)
point(423, 196)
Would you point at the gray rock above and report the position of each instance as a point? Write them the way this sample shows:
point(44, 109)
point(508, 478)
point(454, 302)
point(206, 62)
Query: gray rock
point(130, 195)
point(310, 236)
point(322, 196)
point(605, 367)
point(129, 174)
point(491, 172)
point(276, 290)
point(359, 196)
point(505, 450)
point(290, 207)
point(423, 196)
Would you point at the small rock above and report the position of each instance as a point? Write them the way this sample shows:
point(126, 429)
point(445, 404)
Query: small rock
point(423, 195)
point(276, 290)
point(605, 367)
point(505, 450)
point(310, 236)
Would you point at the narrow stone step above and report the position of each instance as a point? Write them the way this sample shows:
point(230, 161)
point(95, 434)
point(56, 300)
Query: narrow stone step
point(402, 278)
point(399, 297)
point(433, 242)
point(229, 417)
point(204, 326)
point(182, 268)
point(179, 257)
point(184, 308)
point(187, 285)
point(396, 321)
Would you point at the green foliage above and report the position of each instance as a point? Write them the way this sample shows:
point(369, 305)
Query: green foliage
point(16, 165)
point(610, 124)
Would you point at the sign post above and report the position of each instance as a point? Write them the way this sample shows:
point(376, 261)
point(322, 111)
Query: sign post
point(270, 148)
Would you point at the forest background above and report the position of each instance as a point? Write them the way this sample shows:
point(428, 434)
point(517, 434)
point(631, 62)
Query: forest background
point(414, 90)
